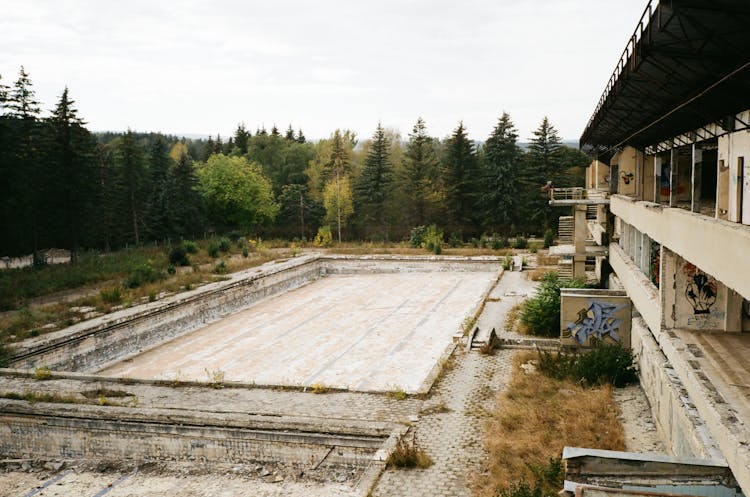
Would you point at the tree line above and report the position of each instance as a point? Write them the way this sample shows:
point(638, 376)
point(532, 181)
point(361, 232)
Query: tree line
point(64, 186)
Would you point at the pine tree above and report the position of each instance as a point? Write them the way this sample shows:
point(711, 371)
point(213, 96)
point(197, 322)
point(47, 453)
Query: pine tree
point(131, 168)
point(300, 136)
point(72, 160)
point(373, 187)
point(184, 204)
point(460, 178)
point(159, 164)
point(275, 131)
point(28, 173)
point(500, 176)
point(208, 149)
point(543, 161)
point(241, 135)
point(420, 168)
point(289, 133)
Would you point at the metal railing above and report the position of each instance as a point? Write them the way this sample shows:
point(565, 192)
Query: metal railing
point(573, 193)
point(633, 47)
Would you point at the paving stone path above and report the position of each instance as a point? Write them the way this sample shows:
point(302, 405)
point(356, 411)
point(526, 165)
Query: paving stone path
point(451, 428)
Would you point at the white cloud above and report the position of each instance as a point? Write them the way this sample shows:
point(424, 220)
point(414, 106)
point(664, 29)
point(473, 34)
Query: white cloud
point(202, 67)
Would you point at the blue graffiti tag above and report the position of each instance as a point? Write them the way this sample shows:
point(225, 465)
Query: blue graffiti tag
point(598, 320)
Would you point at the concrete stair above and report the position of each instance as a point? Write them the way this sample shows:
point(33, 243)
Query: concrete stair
point(565, 230)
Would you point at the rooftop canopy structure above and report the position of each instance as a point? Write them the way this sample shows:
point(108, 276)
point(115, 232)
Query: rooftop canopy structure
point(686, 64)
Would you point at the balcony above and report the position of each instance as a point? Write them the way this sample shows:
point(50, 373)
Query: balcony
point(577, 196)
point(717, 247)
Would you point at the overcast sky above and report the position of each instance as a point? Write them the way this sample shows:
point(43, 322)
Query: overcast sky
point(203, 66)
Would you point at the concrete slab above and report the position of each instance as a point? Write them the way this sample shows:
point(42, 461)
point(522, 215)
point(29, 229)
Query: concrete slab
point(374, 332)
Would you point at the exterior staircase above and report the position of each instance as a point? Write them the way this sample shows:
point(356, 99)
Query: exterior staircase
point(565, 230)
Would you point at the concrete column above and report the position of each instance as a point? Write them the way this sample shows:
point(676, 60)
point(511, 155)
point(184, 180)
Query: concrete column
point(667, 285)
point(657, 179)
point(733, 312)
point(695, 179)
point(639, 175)
point(674, 177)
point(579, 241)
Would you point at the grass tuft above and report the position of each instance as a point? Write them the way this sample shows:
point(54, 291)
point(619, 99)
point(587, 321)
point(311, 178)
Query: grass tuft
point(408, 455)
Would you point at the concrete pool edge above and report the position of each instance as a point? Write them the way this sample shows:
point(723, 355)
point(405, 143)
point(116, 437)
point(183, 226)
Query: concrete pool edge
point(92, 344)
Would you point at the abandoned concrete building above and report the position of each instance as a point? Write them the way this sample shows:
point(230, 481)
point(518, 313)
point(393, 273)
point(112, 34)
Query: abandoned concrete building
point(665, 218)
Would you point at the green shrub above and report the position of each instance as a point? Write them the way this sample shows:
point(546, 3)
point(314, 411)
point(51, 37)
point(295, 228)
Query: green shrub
point(508, 263)
point(244, 252)
point(221, 268)
point(433, 240)
point(549, 238)
point(604, 364)
point(178, 256)
point(520, 243)
point(213, 249)
point(142, 274)
point(456, 239)
point(241, 243)
point(324, 237)
point(548, 480)
point(225, 244)
point(234, 235)
point(171, 269)
point(533, 248)
point(111, 295)
point(498, 242)
point(38, 260)
point(416, 238)
point(540, 314)
point(190, 246)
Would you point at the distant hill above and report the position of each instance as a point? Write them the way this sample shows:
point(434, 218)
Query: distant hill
point(567, 143)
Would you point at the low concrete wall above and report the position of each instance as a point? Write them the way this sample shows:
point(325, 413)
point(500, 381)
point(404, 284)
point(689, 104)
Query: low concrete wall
point(91, 432)
point(677, 421)
point(94, 343)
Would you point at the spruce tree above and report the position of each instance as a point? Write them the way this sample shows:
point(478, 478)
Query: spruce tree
point(184, 204)
point(419, 172)
point(131, 168)
point(28, 172)
point(275, 131)
point(241, 135)
point(543, 164)
point(373, 187)
point(159, 163)
point(208, 149)
point(289, 133)
point(72, 160)
point(460, 178)
point(300, 136)
point(500, 175)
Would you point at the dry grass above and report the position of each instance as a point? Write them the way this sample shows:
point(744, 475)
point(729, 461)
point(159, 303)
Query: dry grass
point(544, 259)
point(538, 273)
point(511, 318)
point(408, 455)
point(536, 417)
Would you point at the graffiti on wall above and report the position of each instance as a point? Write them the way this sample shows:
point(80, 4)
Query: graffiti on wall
point(700, 290)
point(597, 321)
point(627, 177)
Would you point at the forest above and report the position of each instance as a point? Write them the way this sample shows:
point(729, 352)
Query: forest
point(66, 187)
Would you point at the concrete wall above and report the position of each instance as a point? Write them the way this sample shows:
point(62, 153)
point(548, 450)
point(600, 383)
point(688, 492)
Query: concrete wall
point(589, 316)
point(643, 294)
point(694, 237)
point(91, 432)
point(677, 421)
point(628, 161)
point(734, 148)
point(597, 175)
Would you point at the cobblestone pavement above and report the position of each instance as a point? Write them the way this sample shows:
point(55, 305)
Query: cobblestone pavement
point(451, 428)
